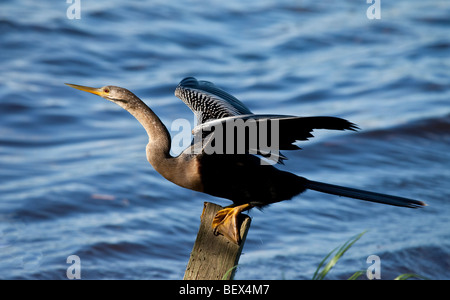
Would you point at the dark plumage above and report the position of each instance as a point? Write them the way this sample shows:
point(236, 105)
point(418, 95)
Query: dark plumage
point(215, 107)
point(241, 178)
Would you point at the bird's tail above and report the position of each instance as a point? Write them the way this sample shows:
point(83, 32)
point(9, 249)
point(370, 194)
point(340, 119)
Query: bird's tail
point(363, 195)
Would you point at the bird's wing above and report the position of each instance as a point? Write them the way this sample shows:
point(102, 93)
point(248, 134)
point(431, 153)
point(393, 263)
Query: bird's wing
point(272, 132)
point(207, 101)
point(292, 129)
point(216, 108)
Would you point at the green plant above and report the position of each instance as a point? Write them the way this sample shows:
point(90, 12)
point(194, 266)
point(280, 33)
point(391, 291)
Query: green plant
point(320, 274)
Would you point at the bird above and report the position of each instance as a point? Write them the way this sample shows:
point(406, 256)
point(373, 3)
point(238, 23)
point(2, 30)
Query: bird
point(244, 177)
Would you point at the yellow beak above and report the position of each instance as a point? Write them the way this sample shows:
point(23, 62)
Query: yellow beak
point(96, 91)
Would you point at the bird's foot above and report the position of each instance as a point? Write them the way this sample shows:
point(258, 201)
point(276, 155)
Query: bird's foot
point(226, 222)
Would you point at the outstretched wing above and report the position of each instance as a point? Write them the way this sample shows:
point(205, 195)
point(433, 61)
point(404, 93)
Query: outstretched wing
point(281, 130)
point(207, 101)
point(215, 108)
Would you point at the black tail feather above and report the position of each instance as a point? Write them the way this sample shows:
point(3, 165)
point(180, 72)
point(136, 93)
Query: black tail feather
point(363, 195)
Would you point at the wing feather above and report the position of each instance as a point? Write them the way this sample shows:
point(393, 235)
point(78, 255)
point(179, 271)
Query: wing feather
point(215, 107)
point(281, 132)
point(207, 101)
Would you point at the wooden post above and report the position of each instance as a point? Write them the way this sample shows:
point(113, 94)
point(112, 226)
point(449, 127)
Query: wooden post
point(214, 257)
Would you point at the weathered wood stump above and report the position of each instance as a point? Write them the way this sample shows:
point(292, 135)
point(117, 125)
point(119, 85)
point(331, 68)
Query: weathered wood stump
point(214, 257)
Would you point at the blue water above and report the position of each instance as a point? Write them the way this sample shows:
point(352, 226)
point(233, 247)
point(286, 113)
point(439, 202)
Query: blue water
point(74, 179)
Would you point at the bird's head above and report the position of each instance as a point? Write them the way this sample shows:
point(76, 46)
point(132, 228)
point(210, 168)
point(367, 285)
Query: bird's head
point(118, 95)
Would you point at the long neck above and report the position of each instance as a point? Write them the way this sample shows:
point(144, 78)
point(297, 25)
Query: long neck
point(174, 169)
point(158, 148)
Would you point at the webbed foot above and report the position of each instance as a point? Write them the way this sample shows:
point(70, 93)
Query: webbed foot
point(226, 222)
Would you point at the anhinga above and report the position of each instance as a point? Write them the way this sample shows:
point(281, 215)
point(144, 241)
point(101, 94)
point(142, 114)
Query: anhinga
point(242, 178)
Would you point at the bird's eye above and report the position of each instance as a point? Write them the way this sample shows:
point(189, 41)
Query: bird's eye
point(106, 90)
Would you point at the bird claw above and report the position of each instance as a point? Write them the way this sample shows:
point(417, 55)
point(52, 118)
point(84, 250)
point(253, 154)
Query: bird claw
point(226, 222)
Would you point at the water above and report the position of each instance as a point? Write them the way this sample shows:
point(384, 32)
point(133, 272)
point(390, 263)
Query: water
point(74, 179)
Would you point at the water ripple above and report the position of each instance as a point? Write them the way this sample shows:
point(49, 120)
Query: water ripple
point(73, 172)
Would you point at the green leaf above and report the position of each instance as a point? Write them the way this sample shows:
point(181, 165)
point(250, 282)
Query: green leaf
point(227, 273)
point(332, 262)
point(409, 275)
point(357, 275)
